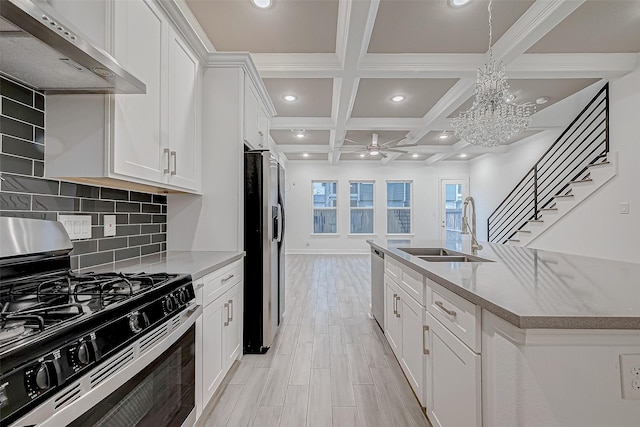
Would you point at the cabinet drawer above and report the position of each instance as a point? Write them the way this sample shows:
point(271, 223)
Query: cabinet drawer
point(412, 283)
point(392, 268)
point(457, 314)
point(218, 282)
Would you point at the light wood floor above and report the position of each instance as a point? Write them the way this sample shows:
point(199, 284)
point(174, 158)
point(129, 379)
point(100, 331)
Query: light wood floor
point(330, 364)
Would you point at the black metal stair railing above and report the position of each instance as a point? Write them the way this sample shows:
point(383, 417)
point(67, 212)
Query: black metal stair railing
point(584, 142)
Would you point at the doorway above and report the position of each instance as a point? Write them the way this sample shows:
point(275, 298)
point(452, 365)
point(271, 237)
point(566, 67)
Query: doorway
point(452, 195)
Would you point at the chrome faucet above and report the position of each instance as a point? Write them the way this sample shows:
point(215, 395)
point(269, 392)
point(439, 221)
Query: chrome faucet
point(465, 224)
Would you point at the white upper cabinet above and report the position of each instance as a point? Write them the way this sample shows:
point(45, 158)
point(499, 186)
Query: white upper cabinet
point(183, 106)
point(140, 44)
point(256, 120)
point(151, 138)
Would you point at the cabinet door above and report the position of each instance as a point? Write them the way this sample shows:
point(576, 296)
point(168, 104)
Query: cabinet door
point(183, 113)
point(140, 38)
point(453, 376)
point(87, 16)
point(413, 344)
point(392, 323)
point(250, 118)
point(214, 317)
point(263, 128)
point(233, 334)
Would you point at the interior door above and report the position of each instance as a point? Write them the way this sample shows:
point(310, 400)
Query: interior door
point(452, 195)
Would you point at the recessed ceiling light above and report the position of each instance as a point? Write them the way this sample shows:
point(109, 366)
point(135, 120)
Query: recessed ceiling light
point(289, 98)
point(362, 155)
point(398, 98)
point(300, 135)
point(374, 152)
point(463, 155)
point(305, 154)
point(542, 100)
point(458, 3)
point(444, 136)
point(264, 4)
point(414, 155)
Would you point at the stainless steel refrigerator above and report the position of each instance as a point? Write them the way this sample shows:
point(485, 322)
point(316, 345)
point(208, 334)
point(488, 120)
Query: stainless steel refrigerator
point(264, 246)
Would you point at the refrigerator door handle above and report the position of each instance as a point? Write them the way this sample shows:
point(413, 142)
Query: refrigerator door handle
point(279, 238)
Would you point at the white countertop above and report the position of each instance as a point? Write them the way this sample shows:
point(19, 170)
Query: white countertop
point(538, 289)
point(198, 264)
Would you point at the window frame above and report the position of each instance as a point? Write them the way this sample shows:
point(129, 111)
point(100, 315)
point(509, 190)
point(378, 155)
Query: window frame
point(410, 208)
point(372, 208)
point(313, 208)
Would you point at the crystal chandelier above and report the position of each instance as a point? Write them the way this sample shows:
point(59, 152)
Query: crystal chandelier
point(493, 118)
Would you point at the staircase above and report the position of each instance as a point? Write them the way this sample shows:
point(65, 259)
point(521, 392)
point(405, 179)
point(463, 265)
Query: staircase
point(576, 165)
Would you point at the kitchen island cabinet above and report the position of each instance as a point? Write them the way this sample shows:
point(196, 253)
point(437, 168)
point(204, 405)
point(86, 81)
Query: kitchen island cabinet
point(528, 338)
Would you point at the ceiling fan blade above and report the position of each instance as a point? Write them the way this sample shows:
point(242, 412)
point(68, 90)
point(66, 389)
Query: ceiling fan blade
point(406, 145)
point(393, 142)
point(393, 150)
point(384, 156)
point(352, 141)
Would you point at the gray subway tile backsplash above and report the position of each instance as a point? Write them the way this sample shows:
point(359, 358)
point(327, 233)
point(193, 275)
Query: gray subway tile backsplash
point(140, 217)
point(19, 165)
point(19, 147)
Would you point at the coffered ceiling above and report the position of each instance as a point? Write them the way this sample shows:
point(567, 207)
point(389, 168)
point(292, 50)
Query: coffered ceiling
point(344, 60)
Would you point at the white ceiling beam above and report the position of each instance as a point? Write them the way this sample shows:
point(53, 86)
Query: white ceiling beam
point(425, 65)
point(310, 148)
point(362, 15)
point(535, 23)
point(383, 123)
point(390, 158)
point(572, 65)
point(306, 123)
point(298, 65)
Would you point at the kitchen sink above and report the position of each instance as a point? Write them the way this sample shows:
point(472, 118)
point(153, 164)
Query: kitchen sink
point(427, 251)
point(442, 255)
point(454, 258)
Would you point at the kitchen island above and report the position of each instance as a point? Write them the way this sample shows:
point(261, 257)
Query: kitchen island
point(526, 338)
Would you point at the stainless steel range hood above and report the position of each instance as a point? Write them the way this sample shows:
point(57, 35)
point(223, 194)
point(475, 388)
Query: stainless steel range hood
point(43, 51)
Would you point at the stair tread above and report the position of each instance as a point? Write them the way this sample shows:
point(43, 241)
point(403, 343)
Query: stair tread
point(535, 220)
point(581, 181)
point(513, 240)
point(562, 196)
point(593, 165)
point(524, 231)
point(549, 209)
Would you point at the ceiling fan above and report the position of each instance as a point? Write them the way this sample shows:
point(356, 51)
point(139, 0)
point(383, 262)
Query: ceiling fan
point(375, 148)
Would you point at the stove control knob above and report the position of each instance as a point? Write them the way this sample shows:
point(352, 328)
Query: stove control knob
point(137, 322)
point(170, 303)
point(82, 354)
point(43, 377)
point(182, 296)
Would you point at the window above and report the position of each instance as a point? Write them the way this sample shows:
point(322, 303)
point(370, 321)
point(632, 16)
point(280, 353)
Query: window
point(325, 215)
point(361, 207)
point(398, 207)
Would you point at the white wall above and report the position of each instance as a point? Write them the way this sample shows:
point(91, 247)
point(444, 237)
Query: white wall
point(595, 228)
point(298, 201)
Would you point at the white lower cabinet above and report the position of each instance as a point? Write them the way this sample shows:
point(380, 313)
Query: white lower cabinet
point(213, 354)
point(413, 343)
point(453, 377)
point(438, 355)
point(219, 331)
point(392, 319)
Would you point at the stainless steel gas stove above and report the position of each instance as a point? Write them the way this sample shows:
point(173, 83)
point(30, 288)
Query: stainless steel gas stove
point(90, 349)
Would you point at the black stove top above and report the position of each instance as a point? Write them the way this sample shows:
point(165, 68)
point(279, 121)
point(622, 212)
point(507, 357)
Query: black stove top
point(37, 303)
point(57, 324)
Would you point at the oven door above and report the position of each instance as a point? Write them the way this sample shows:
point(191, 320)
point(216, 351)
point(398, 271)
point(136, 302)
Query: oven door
point(150, 383)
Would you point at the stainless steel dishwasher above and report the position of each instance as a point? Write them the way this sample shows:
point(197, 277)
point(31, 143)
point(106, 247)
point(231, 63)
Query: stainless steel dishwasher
point(377, 286)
